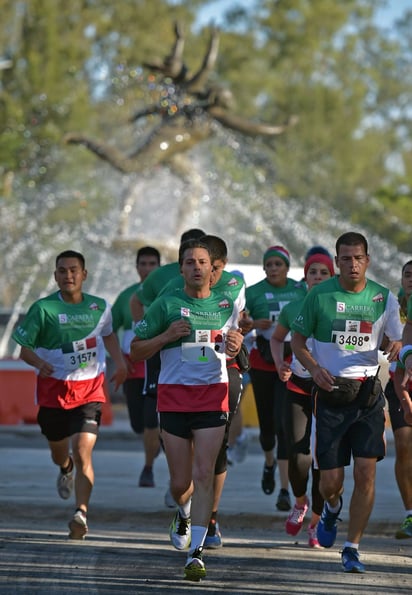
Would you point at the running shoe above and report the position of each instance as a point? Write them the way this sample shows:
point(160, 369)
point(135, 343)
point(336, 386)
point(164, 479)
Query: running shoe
point(65, 483)
point(268, 479)
point(213, 539)
point(294, 521)
point(283, 501)
point(350, 560)
point(327, 526)
point(146, 479)
point(313, 538)
point(78, 525)
point(405, 530)
point(180, 533)
point(169, 500)
point(195, 569)
point(241, 447)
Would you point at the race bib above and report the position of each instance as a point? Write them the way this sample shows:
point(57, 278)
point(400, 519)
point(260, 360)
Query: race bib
point(352, 335)
point(203, 346)
point(80, 354)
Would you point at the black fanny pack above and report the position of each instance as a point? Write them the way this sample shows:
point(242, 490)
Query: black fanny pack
point(346, 390)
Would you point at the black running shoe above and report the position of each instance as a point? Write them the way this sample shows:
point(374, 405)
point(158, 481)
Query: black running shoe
point(268, 479)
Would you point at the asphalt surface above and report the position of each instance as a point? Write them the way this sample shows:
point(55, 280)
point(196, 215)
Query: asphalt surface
point(127, 549)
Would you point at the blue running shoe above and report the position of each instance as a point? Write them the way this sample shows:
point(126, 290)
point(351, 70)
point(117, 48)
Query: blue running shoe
point(327, 526)
point(213, 539)
point(351, 562)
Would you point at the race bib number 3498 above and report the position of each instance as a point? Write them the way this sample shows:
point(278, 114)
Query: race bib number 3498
point(352, 335)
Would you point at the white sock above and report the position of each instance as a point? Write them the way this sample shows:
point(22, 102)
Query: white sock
point(334, 509)
point(198, 537)
point(184, 509)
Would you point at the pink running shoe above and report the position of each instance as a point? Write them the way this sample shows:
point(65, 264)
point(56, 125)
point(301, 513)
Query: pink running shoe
point(294, 521)
point(313, 538)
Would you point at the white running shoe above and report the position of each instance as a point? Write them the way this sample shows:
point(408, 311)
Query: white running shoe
point(78, 525)
point(180, 532)
point(195, 568)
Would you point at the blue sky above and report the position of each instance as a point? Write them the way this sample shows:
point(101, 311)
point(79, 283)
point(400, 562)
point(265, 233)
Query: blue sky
point(384, 16)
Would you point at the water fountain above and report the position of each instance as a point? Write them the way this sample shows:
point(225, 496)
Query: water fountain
point(153, 207)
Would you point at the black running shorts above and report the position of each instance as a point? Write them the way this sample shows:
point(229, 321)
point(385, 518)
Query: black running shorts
point(182, 424)
point(57, 424)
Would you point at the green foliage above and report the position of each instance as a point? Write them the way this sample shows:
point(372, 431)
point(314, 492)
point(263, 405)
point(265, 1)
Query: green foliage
point(77, 66)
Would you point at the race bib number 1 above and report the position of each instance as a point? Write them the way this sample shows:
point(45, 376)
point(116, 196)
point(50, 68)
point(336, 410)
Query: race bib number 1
point(203, 346)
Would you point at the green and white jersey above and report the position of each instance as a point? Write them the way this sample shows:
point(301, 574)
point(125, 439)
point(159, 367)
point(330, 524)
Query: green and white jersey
point(69, 337)
point(123, 325)
point(264, 300)
point(230, 285)
point(348, 328)
point(286, 318)
point(156, 280)
point(193, 375)
point(122, 316)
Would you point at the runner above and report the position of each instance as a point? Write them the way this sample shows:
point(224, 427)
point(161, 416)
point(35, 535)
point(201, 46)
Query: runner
point(264, 302)
point(318, 267)
point(347, 317)
point(398, 405)
point(64, 336)
point(141, 405)
point(194, 329)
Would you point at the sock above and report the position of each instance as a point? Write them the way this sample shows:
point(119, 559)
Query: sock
point(333, 509)
point(354, 546)
point(211, 530)
point(67, 469)
point(198, 537)
point(184, 509)
point(269, 467)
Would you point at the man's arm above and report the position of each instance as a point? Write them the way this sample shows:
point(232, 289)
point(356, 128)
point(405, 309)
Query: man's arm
point(32, 359)
point(277, 342)
point(320, 375)
point(403, 395)
point(141, 349)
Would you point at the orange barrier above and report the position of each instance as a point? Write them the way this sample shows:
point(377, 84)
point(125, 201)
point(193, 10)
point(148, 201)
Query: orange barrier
point(17, 387)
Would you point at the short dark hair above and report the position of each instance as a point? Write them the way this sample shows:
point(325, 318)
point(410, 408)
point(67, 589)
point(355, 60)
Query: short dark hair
point(191, 234)
point(217, 247)
point(148, 251)
point(71, 254)
point(189, 245)
point(351, 238)
point(406, 265)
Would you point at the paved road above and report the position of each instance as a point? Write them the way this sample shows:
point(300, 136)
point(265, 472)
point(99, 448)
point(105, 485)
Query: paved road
point(127, 550)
